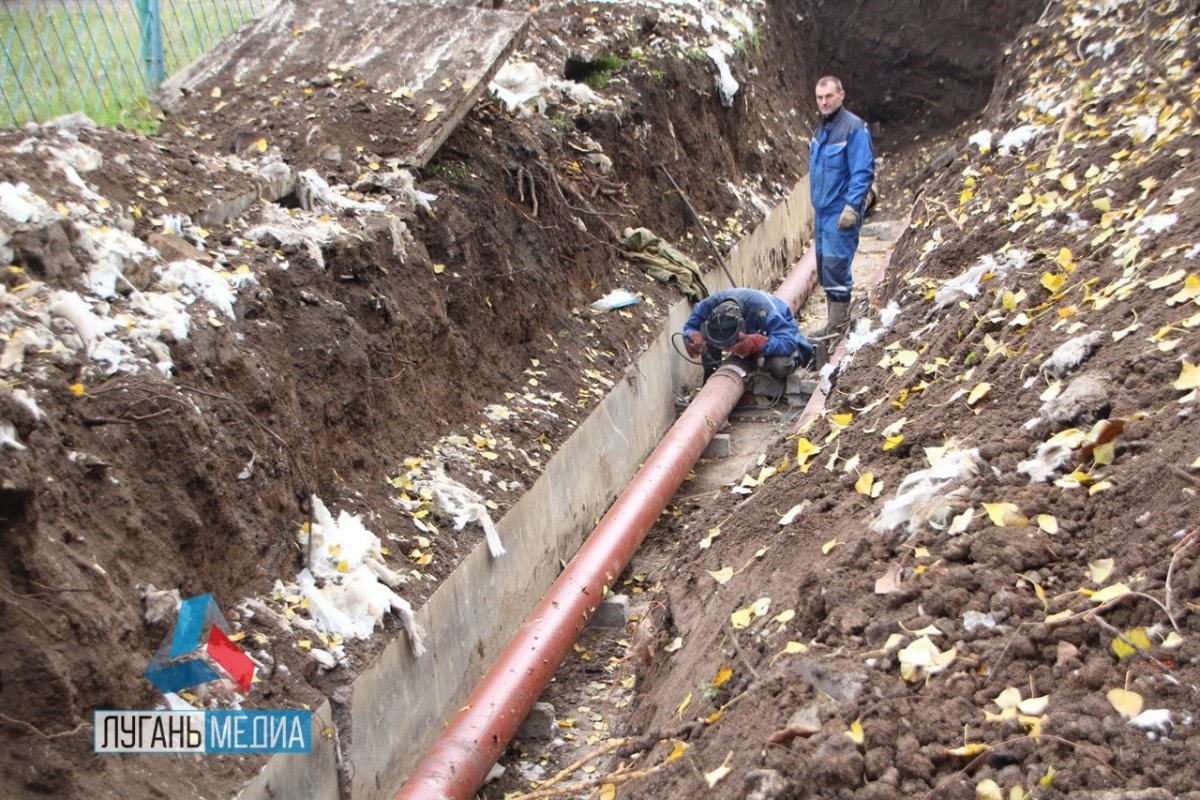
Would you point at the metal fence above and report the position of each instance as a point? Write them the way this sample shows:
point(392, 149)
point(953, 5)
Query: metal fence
point(103, 57)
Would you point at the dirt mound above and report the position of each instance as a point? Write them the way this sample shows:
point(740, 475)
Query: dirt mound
point(169, 425)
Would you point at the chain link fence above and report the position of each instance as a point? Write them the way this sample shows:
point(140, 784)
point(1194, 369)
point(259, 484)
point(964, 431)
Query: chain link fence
point(103, 57)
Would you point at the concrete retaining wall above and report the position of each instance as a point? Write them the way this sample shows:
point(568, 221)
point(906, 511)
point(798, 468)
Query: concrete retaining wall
point(397, 705)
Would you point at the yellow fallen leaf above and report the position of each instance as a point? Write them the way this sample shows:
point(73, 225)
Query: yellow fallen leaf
point(784, 617)
point(1048, 523)
point(723, 575)
point(77, 389)
point(1109, 593)
point(1189, 292)
point(1008, 698)
point(741, 618)
point(967, 750)
point(828, 546)
point(1005, 515)
point(790, 649)
point(438, 269)
point(676, 752)
point(988, 789)
point(1100, 570)
point(1034, 706)
point(1048, 777)
point(1189, 377)
point(1168, 279)
point(723, 675)
point(1128, 704)
point(978, 393)
point(856, 732)
point(864, 483)
point(1137, 638)
point(804, 451)
point(892, 442)
point(715, 776)
point(1053, 282)
point(842, 420)
point(608, 791)
point(687, 701)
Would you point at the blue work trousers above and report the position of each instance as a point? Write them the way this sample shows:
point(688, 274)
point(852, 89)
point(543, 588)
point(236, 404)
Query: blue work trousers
point(835, 253)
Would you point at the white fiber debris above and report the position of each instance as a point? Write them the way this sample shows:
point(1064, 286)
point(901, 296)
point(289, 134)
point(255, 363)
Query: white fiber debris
point(1050, 458)
point(158, 605)
point(966, 285)
point(1017, 138)
point(202, 282)
point(72, 308)
point(357, 588)
point(1071, 353)
point(1156, 223)
point(462, 504)
point(21, 205)
point(1156, 720)
point(521, 86)
point(727, 85)
point(398, 183)
point(863, 335)
point(922, 486)
point(982, 140)
point(111, 249)
point(315, 192)
point(8, 436)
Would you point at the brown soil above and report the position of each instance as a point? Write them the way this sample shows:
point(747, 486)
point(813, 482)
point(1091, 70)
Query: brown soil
point(336, 370)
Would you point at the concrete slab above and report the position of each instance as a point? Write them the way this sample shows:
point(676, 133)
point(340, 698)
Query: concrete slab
point(432, 55)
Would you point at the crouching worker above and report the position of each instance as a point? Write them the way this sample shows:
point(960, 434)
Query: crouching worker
point(747, 323)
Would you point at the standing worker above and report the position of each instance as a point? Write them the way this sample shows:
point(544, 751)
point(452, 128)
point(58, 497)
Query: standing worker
point(840, 171)
point(747, 323)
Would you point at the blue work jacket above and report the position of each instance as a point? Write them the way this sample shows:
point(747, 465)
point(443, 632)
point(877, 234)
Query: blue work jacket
point(764, 313)
point(841, 163)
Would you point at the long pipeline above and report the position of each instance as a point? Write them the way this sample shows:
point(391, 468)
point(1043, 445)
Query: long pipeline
point(459, 761)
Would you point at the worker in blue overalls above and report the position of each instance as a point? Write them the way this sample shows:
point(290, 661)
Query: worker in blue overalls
point(841, 169)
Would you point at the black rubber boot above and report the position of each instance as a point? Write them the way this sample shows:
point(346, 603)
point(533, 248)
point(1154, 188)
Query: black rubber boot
point(839, 320)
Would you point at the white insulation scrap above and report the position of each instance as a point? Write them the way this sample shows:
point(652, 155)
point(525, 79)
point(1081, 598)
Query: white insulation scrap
point(1071, 353)
point(727, 85)
point(315, 192)
point(357, 585)
point(521, 86)
point(966, 285)
point(463, 505)
point(922, 486)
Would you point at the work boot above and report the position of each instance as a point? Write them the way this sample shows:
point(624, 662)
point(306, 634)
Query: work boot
point(839, 318)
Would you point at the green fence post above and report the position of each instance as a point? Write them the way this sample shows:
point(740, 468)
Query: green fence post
point(150, 22)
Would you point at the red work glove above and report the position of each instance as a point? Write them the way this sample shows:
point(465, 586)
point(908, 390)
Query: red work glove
point(695, 345)
point(748, 344)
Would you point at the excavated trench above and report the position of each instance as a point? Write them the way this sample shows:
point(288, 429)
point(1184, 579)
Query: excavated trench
point(939, 58)
point(395, 704)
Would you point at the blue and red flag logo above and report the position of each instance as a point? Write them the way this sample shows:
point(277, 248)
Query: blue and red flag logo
point(198, 651)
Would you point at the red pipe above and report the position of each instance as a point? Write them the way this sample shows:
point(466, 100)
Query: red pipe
point(456, 765)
